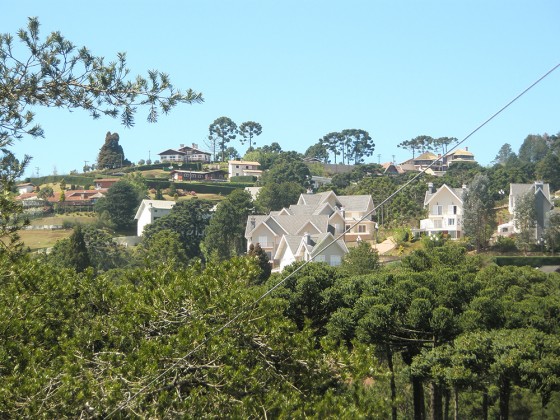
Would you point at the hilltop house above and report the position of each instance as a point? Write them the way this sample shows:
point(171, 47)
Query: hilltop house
point(543, 204)
point(437, 164)
point(151, 210)
point(185, 154)
point(299, 232)
point(185, 175)
point(25, 188)
point(244, 168)
point(104, 183)
point(445, 211)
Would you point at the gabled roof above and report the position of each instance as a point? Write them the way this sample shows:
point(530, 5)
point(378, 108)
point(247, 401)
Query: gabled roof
point(461, 152)
point(457, 192)
point(520, 189)
point(426, 156)
point(355, 202)
point(184, 149)
point(243, 162)
point(157, 204)
point(172, 152)
point(319, 243)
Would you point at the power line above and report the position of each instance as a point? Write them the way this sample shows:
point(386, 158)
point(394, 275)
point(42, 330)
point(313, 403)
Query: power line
point(246, 307)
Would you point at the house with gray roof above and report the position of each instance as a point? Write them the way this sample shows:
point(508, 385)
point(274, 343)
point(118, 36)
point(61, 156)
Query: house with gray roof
point(315, 217)
point(543, 204)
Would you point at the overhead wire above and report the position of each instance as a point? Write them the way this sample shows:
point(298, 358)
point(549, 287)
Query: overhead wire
point(252, 304)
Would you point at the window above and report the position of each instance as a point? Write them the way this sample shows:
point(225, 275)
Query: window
point(263, 241)
point(450, 222)
point(437, 210)
point(452, 209)
point(335, 260)
point(437, 224)
point(361, 228)
point(347, 227)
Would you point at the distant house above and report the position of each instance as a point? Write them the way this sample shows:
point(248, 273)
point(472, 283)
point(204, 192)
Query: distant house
point(244, 168)
point(104, 183)
point(186, 175)
point(319, 181)
point(72, 198)
point(25, 188)
point(543, 204)
point(151, 210)
point(445, 208)
point(314, 219)
point(185, 154)
point(437, 164)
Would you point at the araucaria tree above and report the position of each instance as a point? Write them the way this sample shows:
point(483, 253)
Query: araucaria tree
point(222, 131)
point(248, 130)
point(58, 74)
point(478, 215)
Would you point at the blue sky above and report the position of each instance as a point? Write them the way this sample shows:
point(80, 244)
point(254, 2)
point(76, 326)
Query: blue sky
point(302, 69)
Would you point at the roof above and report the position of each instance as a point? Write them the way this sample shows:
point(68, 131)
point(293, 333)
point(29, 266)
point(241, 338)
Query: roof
point(243, 162)
point(519, 189)
point(194, 149)
point(157, 204)
point(461, 152)
point(458, 192)
point(172, 152)
point(426, 156)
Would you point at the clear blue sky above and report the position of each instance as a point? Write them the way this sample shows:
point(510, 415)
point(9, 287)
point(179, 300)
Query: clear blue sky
point(302, 69)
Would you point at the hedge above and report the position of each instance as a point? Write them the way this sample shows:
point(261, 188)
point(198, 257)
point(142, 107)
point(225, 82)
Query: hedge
point(68, 179)
point(527, 261)
point(220, 188)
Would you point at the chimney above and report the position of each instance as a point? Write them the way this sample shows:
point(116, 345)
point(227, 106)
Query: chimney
point(252, 221)
point(307, 238)
point(464, 186)
point(467, 148)
point(343, 212)
point(430, 187)
point(195, 146)
point(181, 146)
point(539, 185)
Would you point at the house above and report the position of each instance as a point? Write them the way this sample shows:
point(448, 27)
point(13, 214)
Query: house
point(151, 210)
point(104, 183)
point(244, 168)
point(185, 154)
point(280, 233)
point(445, 211)
point(437, 164)
point(186, 175)
point(319, 248)
point(72, 198)
point(25, 188)
point(319, 181)
point(543, 204)
point(459, 155)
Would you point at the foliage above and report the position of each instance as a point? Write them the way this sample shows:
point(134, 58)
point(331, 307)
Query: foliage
point(361, 259)
point(317, 151)
point(57, 74)
point(478, 216)
point(188, 219)
point(111, 154)
point(120, 203)
point(248, 130)
point(552, 231)
point(255, 251)
point(276, 196)
point(222, 131)
point(225, 234)
point(163, 246)
point(524, 219)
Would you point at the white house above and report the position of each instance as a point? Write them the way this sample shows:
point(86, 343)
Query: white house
point(445, 211)
point(151, 210)
point(25, 188)
point(185, 154)
point(543, 204)
point(244, 168)
point(280, 233)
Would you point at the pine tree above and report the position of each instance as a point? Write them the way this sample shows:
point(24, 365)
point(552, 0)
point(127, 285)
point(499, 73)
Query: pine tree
point(263, 260)
point(111, 154)
point(79, 256)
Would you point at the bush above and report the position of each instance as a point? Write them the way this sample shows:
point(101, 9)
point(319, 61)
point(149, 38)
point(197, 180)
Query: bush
point(504, 244)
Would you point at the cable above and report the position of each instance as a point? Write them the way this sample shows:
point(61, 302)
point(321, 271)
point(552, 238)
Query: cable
point(246, 307)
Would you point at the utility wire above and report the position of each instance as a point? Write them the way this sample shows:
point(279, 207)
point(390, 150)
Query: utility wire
point(246, 307)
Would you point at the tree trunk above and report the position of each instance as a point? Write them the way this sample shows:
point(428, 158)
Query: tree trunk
point(505, 391)
point(436, 402)
point(485, 405)
point(456, 403)
point(447, 396)
point(393, 385)
point(418, 397)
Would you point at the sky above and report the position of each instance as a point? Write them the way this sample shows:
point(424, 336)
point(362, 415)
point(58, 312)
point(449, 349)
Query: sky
point(305, 68)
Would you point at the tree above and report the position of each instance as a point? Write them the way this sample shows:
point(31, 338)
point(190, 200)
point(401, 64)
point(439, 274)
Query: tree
point(248, 130)
point(332, 143)
point(79, 257)
point(165, 247)
point(504, 155)
point(189, 219)
point(275, 196)
point(357, 144)
point(478, 215)
point(552, 230)
point(263, 261)
point(45, 193)
point(58, 74)
point(222, 131)
point(111, 154)
point(231, 153)
point(548, 170)
point(533, 149)
point(120, 203)
point(224, 236)
point(317, 151)
point(361, 259)
point(524, 218)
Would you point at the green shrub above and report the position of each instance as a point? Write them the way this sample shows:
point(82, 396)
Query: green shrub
point(504, 244)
